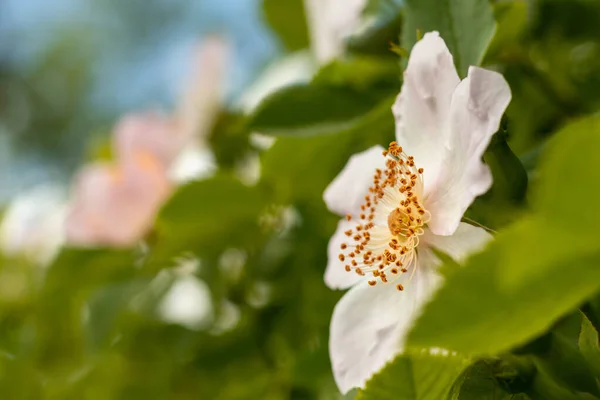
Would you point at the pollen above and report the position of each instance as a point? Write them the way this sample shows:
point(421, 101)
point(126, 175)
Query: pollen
point(387, 230)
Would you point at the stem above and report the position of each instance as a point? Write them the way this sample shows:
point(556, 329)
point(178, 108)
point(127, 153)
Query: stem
point(472, 222)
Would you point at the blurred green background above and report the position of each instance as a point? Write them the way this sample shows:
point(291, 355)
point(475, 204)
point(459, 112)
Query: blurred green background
point(225, 299)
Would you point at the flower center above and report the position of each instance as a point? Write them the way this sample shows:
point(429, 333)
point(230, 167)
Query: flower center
point(384, 241)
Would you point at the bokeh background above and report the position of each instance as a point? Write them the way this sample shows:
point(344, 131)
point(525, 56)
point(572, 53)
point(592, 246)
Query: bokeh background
point(71, 69)
point(224, 299)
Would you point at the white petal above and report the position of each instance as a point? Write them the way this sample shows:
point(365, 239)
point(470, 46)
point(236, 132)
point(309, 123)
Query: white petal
point(422, 108)
point(346, 192)
point(336, 277)
point(369, 326)
point(477, 107)
point(466, 240)
point(330, 22)
point(194, 162)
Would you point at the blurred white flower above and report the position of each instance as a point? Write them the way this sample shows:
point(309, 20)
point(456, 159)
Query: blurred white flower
point(404, 202)
point(330, 23)
point(187, 303)
point(32, 225)
point(194, 162)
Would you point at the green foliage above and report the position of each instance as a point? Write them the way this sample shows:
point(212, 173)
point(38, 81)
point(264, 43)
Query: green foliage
point(419, 376)
point(318, 110)
point(384, 27)
point(588, 345)
point(288, 19)
point(517, 321)
point(494, 379)
point(341, 95)
point(467, 27)
point(529, 263)
point(204, 213)
point(511, 18)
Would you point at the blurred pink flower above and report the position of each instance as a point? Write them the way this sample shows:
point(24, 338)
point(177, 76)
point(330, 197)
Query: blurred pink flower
point(150, 133)
point(114, 205)
point(202, 94)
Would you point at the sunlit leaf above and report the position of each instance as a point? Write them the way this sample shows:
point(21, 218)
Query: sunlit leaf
point(415, 377)
point(217, 213)
point(536, 270)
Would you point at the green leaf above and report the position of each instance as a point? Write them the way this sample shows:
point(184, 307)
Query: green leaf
point(510, 177)
point(384, 24)
point(341, 94)
point(568, 218)
point(467, 27)
point(494, 379)
point(229, 139)
point(213, 214)
point(106, 306)
point(69, 280)
point(89, 268)
point(288, 20)
point(419, 376)
point(536, 270)
point(588, 345)
point(313, 109)
point(18, 380)
point(557, 355)
point(475, 313)
point(512, 22)
point(569, 170)
point(544, 387)
point(300, 168)
point(361, 73)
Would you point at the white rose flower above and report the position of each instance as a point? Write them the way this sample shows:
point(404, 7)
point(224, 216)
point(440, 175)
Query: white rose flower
point(402, 202)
